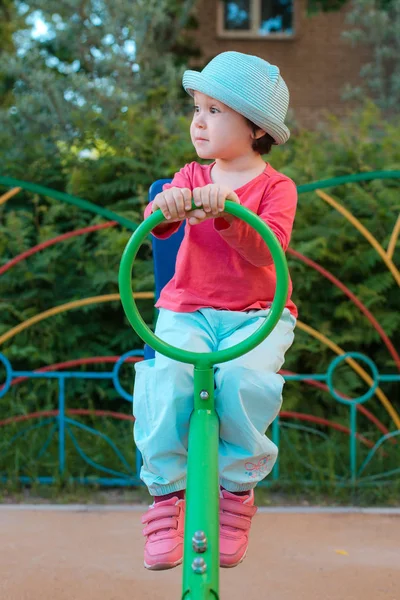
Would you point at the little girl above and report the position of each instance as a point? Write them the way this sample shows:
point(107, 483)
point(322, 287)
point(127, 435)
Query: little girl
point(221, 292)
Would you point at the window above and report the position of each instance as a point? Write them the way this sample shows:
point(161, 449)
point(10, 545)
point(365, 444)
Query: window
point(256, 18)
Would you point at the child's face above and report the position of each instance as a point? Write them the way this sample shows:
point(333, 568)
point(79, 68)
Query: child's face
point(217, 131)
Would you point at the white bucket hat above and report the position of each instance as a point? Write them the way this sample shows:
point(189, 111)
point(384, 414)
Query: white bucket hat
point(249, 85)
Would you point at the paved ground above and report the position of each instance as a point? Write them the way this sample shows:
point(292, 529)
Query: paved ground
point(97, 555)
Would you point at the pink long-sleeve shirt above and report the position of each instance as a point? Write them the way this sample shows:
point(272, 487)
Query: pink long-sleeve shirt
point(228, 267)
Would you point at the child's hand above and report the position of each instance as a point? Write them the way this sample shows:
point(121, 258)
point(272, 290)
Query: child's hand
point(173, 203)
point(211, 198)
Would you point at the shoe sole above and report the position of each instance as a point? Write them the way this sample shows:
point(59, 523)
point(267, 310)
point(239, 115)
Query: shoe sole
point(162, 566)
point(236, 564)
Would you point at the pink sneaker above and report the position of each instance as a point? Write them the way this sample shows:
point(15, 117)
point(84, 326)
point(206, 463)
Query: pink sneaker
point(164, 531)
point(235, 514)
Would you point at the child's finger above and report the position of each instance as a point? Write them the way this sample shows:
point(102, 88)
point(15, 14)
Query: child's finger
point(194, 221)
point(196, 216)
point(161, 203)
point(187, 195)
point(205, 198)
point(233, 196)
point(179, 203)
point(198, 213)
point(171, 206)
point(214, 193)
point(197, 196)
point(221, 200)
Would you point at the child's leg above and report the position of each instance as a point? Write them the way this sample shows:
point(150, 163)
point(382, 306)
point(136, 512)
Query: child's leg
point(248, 398)
point(163, 402)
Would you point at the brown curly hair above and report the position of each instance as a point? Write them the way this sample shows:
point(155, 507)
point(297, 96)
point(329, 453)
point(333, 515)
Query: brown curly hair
point(264, 144)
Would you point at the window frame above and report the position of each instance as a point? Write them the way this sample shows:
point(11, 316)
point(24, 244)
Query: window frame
point(255, 19)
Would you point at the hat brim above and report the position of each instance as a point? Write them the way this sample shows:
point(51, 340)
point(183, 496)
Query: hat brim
point(194, 81)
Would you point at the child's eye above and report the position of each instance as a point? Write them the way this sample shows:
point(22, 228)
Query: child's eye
point(213, 109)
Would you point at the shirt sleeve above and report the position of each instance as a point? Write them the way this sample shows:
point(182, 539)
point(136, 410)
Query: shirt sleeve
point(181, 179)
point(277, 209)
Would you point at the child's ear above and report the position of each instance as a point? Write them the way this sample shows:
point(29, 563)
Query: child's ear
point(258, 134)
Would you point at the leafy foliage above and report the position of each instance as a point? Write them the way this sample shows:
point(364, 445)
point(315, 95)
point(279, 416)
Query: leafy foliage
point(87, 265)
point(107, 140)
point(375, 25)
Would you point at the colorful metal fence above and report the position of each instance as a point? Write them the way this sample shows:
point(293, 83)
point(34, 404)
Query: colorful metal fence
point(60, 423)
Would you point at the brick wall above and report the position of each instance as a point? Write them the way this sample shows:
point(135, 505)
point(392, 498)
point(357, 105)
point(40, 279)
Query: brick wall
point(316, 63)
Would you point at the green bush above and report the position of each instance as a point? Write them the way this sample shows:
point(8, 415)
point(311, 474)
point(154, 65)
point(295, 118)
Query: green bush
point(118, 176)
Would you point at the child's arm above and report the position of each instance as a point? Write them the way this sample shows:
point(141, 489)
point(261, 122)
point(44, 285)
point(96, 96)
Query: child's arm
point(277, 210)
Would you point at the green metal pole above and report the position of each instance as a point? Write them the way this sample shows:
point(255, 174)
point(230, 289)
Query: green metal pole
point(201, 542)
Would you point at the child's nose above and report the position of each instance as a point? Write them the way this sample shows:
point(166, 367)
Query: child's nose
point(199, 121)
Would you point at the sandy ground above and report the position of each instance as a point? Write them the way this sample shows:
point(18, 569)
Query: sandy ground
point(80, 555)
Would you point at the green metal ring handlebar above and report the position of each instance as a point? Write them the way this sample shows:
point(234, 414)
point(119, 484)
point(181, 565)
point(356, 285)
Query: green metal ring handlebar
point(204, 359)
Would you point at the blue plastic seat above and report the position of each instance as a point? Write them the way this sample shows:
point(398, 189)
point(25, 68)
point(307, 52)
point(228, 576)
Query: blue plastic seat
point(164, 255)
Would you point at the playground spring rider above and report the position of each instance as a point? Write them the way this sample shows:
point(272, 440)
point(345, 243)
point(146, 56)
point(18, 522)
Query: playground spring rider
point(201, 542)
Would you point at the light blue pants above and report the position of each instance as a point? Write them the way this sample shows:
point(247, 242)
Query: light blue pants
point(248, 397)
